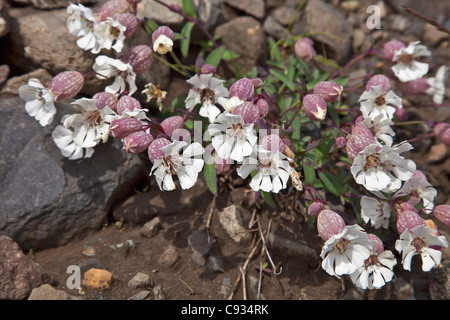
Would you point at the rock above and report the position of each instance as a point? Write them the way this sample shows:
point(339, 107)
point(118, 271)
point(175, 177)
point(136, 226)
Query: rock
point(245, 36)
point(98, 279)
point(169, 257)
point(438, 152)
point(209, 11)
point(440, 283)
point(273, 28)
point(255, 8)
point(284, 15)
point(433, 35)
point(47, 292)
point(19, 275)
point(11, 88)
point(160, 14)
point(198, 242)
point(90, 264)
point(53, 4)
point(141, 295)
point(45, 199)
point(141, 280)
point(4, 73)
point(40, 39)
point(215, 264)
point(151, 228)
point(293, 248)
point(335, 34)
point(234, 220)
point(4, 19)
point(159, 293)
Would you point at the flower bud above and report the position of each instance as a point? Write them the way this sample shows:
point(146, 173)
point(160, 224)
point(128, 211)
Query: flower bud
point(304, 49)
point(111, 8)
point(129, 21)
point(315, 107)
point(316, 207)
point(170, 124)
point(341, 142)
point(390, 47)
point(273, 142)
point(379, 245)
point(154, 150)
point(67, 84)
point(222, 165)
point(407, 220)
point(361, 129)
point(243, 89)
point(413, 87)
point(140, 58)
point(329, 223)
point(330, 91)
point(401, 113)
point(263, 107)
point(442, 213)
point(357, 143)
point(257, 83)
point(127, 103)
point(106, 99)
point(442, 131)
point(379, 80)
point(137, 142)
point(405, 206)
point(207, 68)
point(249, 113)
point(163, 40)
point(120, 128)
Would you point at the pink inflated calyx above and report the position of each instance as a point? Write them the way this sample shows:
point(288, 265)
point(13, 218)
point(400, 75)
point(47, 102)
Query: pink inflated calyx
point(154, 150)
point(329, 223)
point(316, 207)
point(243, 89)
point(111, 8)
point(442, 213)
point(315, 107)
point(361, 129)
point(357, 143)
point(137, 142)
point(249, 113)
point(120, 128)
point(304, 49)
point(207, 69)
point(171, 124)
point(379, 80)
point(391, 47)
point(222, 165)
point(66, 85)
point(127, 103)
point(106, 99)
point(129, 21)
point(407, 220)
point(273, 143)
point(379, 246)
point(330, 91)
point(140, 57)
point(413, 87)
point(442, 131)
point(263, 107)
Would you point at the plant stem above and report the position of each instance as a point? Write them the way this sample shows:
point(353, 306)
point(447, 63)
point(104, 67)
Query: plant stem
point(427, 105)
point(424, 136)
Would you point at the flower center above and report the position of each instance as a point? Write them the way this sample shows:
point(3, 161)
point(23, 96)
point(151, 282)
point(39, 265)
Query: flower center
point(372, 261)
point(114, 31)
point(406, 59)
point(172, 163)
point(380, 101)
point(341, 246)
point(207, 95)
point(418, 244)
point(372, 161)
point(93, 117)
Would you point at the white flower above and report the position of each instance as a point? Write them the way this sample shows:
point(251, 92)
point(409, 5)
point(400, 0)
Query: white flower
point(185, 164)
point(381, 168)
point(206, 91)
point(437, 85)
point(81, 23)
point(273, 170)
point(38, 101)
point(381, 128)
point(232, 103)
point(376, 102)
point(419, 189)
point(377, 270)
point(419, 241)
point(110, 35)
point(163, 44)
point(124, 76)
point(83, 130)
point(345, 252)
point(231, 138)
point(407, 68)
point(376, 210)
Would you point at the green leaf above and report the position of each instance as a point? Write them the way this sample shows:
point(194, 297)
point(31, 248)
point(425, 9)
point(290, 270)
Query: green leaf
point(323, 150)
point(215, 56)
point(184, 43)
point(332, 183)
point(283, 78)
point(342, 81)
point(151, 26)
point(189, 8)
point(310, 174)
point(268, 199)
point(209, 172)
point(230, 55)
point(323, 77)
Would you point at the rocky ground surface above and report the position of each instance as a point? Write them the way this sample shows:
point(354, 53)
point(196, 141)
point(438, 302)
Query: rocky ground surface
point(129, 240)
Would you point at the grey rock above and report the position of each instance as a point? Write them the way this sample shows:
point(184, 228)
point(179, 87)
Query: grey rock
point(11, 88)
point(141, 295)
point(293, 248)
point(45, 199)
point(209, 12)
point(234, 220)
point(141, 280)
point(198, 242)
point(47, 292)
point(273, 28)
point(19, 275)
point(254, 8)
point(4, 73)
point(53, 4)
point(215, 264)
point(158, 13)
point(169, 257)
point(151, 228)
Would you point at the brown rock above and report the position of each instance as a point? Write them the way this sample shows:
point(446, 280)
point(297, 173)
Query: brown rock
point(13, 84)
point(234, 220)
point(53, 4)
point(18, 273)
point(98, 279)
point(4, 73)
point(255, 8)
point(169, 257)
point(47, 292)
point(4, 19)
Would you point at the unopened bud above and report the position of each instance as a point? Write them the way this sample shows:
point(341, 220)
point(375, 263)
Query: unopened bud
point(357, 143)
point(222, 165)
point(330, 91)
point(163, 40)
point(401, 113)
point(127, 103)
point(379, 80)
point(316, 207)
point(304, 49)
point(407, 220)
point(263, 107)
point(66, 85)
point(379, 245)
point(315, 107)
point(361, 129)
point(257, 83)
point(120, 128)
point(442, 131)
point(405, 206)
point(273, 142)
point(442, 213)
point(106, 99)
point(390, 48)
point(137, 142)
point(243, 89)
point(111, 8)
point(341, 142)
point(249, 113)
point(154, 150)
point(329, 223)
point(129, 21)
point(140, 58)
point(413, 87)
point(170, 124)
point(207, 68)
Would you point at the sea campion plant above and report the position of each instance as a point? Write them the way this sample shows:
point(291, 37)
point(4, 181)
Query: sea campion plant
point(287, 125)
